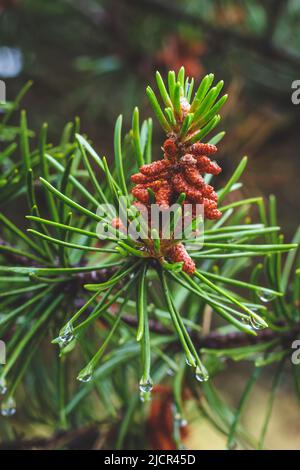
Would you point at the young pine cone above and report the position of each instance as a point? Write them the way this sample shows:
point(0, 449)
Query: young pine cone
point(177, 253)
point(181, 171)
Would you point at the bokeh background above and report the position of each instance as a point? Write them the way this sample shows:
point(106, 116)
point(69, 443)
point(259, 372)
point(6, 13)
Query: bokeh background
point(94, 58)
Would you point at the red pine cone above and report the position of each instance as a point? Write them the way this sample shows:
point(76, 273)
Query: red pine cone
point(203, 149)
point(177, 253)
point(173, 175)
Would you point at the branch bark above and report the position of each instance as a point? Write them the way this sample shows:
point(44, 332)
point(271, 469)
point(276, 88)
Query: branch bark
point(215, 340)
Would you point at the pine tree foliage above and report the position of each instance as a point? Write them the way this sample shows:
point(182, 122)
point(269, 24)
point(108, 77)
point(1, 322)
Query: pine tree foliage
point(116, 314)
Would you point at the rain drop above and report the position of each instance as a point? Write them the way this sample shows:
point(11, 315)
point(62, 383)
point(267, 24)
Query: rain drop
point(8, 407)
point(266, 296)
point(85, 377)
point(190, 361)
point(201, 374)
point(256, 324)
point(66, 335)
point(145, 386)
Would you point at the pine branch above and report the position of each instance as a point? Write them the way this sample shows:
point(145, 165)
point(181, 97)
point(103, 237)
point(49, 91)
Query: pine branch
point(219, 34)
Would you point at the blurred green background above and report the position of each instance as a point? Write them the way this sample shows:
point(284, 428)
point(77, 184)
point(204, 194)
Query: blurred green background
point(93, 59)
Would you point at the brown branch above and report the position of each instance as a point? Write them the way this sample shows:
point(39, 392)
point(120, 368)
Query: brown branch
point(216, 340)
point(219, 34)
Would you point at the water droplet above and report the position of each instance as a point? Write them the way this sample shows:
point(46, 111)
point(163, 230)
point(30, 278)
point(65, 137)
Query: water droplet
point(201, 374)
point(86, 374)
point(190, 361)
point(66, 335)
point(85, 377)
point(145, 386)
point(266, 296)
point(256, 323)
point(8, 407)
point(3, 387)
